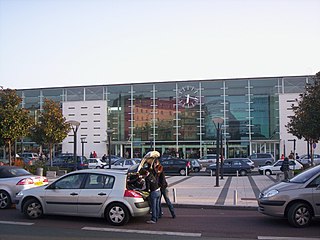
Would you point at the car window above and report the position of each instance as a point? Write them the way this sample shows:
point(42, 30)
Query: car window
point(279, 163)
point(13, 172)
point(70, 182)
point(99, 181)
point(305, 175)
point(236, 163)
point(315, 182)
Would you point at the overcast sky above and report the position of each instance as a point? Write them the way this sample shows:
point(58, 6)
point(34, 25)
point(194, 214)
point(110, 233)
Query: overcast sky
point(51, 43)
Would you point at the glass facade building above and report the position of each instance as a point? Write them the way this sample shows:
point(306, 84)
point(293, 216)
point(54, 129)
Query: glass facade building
point(176, 117)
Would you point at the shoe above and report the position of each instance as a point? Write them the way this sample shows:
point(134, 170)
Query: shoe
point(173, 216)
point(151, 222)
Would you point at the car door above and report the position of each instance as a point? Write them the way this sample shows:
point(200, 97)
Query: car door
point(94, 194)
point(227, 166)
point(61, 197)
point(276, 167)
point(314, 186)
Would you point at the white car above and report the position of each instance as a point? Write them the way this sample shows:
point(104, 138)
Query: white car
point(97, 193)
point(275, 168)
point(123, 164)
point(96, 163)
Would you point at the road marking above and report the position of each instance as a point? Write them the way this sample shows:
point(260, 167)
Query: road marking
point(16, 223)
point(142, 231)
point(284, 238)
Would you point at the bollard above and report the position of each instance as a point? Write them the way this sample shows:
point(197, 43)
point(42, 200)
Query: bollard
point(211, 173)
point(40, 171)
point(174, 193)
point(237, 173)
point(186, 171)
point(235, 197)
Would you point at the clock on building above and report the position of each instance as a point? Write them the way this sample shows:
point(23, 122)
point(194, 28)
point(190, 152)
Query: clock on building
point(188, 96)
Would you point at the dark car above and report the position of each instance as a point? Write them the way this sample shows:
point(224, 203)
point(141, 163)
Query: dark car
point(176, 165)
point(232, 166)
point(196, 165)
point(67, 161)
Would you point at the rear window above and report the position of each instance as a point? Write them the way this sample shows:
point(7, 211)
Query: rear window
point(13, 172)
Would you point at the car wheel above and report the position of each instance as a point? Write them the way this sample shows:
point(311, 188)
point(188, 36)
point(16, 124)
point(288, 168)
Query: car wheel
point(243, 172)
point(182, 172)
point(117, 214)
point(32, 209)
point(299, 215)
point(267, 172)
point(196, 169)
point(5, 200)
point(98, 167)
point(268, 163)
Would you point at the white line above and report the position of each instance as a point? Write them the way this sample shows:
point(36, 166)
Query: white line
point(284, 238)
point(16, 223)
point(143, 231)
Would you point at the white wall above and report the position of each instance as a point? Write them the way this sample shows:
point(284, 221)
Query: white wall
point(285, 110)
point(92, 116)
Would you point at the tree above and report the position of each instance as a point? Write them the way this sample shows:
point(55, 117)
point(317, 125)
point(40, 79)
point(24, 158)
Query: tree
point(305, 123)
point(15, 122)
point(51, 127)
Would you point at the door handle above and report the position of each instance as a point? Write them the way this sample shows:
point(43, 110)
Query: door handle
point(73, 194)
point(102, 194)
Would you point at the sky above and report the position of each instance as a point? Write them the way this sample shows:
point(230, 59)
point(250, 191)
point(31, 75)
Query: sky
point(54, 43)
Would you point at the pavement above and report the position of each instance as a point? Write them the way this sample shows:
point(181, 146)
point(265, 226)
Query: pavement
point(233, 191)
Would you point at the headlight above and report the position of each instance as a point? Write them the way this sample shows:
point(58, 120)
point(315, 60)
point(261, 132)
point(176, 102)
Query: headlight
point(271, 193)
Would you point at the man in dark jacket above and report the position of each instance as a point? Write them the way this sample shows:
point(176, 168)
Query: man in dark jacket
point(285, 168)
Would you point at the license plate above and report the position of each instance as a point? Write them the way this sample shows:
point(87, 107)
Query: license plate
point(38, 183)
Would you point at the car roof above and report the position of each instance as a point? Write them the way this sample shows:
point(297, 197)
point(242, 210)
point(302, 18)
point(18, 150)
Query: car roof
point(102, 171)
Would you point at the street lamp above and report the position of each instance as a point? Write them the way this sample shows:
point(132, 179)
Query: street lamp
point(83, 141)
point(217, 121)
point(75, 126)
point(109, 133)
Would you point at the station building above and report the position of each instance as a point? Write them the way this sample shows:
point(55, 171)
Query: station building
point(176, 117)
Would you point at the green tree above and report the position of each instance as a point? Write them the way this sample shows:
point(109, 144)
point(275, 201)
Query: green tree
point(51, 127)
point(305, 123)
point(15, 122)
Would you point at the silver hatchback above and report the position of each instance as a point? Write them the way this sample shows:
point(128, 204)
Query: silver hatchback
point(88, 193)
point(298, 199)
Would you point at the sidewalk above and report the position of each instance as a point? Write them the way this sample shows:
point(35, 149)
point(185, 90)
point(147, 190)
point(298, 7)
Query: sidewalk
point(233, 191)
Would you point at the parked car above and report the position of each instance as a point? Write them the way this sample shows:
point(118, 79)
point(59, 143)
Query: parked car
point(29, 158)
point(176, 165)
point(196, 166)
point(231, 166)
point(89, 193)
point(297, 199)
point(208, 159)
point(247, 160)
point(275, 168)
point(305, 159)
point(261, 159)
point(13, 180)
point(122, 164)
point(66, 161)
point(96, 163)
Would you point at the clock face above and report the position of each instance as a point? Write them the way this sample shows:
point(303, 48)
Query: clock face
point(188, 97)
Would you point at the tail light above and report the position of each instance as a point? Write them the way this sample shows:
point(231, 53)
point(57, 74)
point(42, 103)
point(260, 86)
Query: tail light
point(25, 181)
point(132, 193)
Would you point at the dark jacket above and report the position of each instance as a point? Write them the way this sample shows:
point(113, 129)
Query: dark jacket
point(151, 183)
point(285, 165)
point(162, 181)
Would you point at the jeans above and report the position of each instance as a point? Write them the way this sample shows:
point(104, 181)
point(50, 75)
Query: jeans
point(164, 193)
point(154, 202)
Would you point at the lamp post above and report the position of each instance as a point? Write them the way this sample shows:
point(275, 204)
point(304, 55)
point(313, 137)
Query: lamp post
point(83, 141)
point(75, 126)
point(109, 133)
point(217, 121)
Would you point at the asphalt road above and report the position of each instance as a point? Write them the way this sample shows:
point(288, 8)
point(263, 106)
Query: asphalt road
point(190, 223)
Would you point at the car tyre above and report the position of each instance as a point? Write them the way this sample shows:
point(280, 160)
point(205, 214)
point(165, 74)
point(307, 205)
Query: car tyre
point(117, 214)
point(182, 172)
point(267, 172)
point(268, 163)
point(243, 172)
point(299, 215)
point(5, 200)
point(196, 169)
point(32, 209)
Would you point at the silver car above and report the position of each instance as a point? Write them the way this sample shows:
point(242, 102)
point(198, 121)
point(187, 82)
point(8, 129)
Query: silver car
point(298, 199)
point(13, 180)
point(89, 193)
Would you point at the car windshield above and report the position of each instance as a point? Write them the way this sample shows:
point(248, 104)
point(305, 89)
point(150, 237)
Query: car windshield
point(306, 175)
